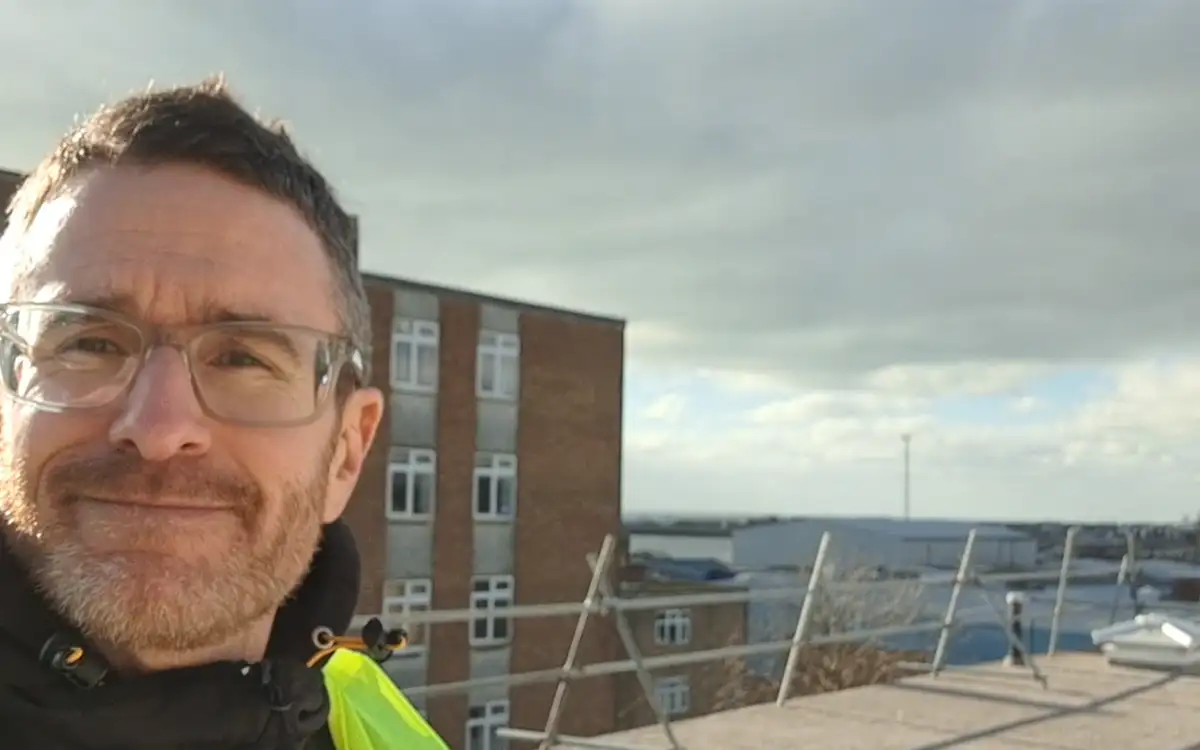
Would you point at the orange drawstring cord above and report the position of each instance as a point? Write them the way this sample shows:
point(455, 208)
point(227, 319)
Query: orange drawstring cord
point(375, 641)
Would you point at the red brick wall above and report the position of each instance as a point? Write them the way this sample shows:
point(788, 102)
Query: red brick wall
point(366, 513)
point(453, 525)
point(569, 453)
point(714, 685)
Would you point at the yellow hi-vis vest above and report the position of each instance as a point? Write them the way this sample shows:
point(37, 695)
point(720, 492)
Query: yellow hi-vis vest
point(368, 712)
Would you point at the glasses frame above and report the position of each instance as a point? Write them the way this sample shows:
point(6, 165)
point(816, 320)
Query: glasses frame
point(343, 354)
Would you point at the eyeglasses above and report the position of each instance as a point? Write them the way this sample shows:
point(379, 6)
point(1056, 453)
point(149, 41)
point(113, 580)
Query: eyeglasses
point(61, 357)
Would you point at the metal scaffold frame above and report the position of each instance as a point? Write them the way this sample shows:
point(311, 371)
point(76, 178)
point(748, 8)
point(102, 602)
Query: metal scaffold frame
point(601, 599)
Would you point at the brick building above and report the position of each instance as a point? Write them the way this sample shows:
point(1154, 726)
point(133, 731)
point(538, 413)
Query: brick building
point(497, 467)
point(686, 690)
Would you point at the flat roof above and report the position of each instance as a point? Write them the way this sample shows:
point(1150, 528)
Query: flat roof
point(467, 294)
point(1086, 706)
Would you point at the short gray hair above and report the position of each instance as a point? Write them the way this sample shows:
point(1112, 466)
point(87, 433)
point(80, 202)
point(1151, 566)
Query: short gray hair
point(203, 124)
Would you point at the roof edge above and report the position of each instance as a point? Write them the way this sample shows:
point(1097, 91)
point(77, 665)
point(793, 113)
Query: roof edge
point(462, 293)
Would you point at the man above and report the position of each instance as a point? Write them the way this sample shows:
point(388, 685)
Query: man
point(184, 360)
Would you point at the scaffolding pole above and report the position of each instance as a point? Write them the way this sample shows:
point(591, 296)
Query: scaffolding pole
point(960, 580)
point(814, 581)
point(1060, 595)
point(599, 571)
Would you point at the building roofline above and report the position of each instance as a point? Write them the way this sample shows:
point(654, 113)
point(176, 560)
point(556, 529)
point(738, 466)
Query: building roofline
point(451, 291)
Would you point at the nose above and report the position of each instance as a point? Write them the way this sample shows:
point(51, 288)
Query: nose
point(161, 417)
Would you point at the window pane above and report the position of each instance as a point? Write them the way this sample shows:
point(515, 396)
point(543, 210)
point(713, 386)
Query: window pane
point(399, 492)
point(500, 627)
point(506, 496)
point(508, 376)
point(483, 495)
point(481, 628)
point(422, 493)
point(487, 373)
point(427, 365)
point(401, 362)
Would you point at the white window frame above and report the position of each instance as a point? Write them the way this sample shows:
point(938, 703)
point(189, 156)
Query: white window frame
point(674, 695)
point(495, 467)
point(498, 347)
point(493, 715)
point(419, 461)
point(496, 598)
point(673, 627)
point(403, 597)
point(415, 334)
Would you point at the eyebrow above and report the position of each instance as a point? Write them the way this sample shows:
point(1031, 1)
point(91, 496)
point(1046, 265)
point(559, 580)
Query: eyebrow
point(126, 304)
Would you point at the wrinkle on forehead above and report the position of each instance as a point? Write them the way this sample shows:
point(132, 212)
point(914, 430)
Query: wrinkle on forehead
point(178, 241)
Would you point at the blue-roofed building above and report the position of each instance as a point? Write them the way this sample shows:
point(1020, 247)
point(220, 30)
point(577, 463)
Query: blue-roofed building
point(887, 543)
point(681, 569)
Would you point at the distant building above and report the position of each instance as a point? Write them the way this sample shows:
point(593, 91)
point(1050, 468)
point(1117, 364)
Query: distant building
point(682, 538)
point(687, 690)
point(880, 542)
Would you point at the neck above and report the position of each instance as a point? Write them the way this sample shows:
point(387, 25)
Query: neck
point(250, 645)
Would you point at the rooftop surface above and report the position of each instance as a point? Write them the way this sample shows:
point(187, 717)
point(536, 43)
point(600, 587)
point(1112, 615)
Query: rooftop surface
point(1088, 706)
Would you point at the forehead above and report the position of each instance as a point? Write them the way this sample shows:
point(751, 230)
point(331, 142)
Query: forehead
point(177, 242)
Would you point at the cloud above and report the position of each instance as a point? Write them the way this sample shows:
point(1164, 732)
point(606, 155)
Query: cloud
point(818, 190)
point(857, 211)
point(1132, 451)
point(667, 408)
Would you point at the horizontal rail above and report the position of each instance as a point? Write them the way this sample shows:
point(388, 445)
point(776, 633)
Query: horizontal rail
point(737, 595)
point(566, 740)
point(624, 666)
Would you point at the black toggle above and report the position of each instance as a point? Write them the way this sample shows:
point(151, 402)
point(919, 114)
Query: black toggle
point(70, 659)
point(381, 642)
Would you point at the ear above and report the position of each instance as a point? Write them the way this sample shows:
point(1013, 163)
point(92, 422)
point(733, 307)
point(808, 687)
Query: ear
point(361, 415)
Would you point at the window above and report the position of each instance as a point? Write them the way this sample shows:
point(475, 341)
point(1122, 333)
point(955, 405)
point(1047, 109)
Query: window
point(674, 695)
point(495, 493)
point(401, 598)
point(411, 483)
point(415, 355)
point(482, 723)
point(491, 597)
point(497, 370)
point(673, 627)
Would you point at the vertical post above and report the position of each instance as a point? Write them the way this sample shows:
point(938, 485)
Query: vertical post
point(1060, 596)
point(1131, 551)
point(806, 609)
point(625, 633)
point(960, 580)
point(1016, 628)
point(1122, 575)
point(1014, 643)
point(907, 438)
point(589, 603)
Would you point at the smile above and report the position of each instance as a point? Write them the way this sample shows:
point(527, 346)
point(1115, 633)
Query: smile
point(168, 505)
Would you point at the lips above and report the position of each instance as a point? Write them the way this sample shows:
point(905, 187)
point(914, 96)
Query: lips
point(154, 504)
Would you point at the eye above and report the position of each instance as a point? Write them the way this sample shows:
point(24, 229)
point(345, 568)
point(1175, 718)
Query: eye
point(95, 345)
point(238, 359)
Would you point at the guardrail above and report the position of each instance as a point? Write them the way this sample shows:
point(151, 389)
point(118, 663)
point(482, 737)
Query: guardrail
point(602, 600)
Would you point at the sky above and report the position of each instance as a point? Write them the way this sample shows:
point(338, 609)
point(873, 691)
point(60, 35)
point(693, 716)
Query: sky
point(828, 224)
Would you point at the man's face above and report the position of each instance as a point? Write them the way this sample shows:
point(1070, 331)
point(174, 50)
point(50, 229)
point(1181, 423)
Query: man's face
point(148, 523)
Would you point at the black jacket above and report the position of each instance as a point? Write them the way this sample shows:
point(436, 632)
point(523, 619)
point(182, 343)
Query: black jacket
point(278, 704)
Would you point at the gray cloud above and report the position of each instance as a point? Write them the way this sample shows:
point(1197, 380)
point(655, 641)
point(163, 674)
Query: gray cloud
point(819, 188)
